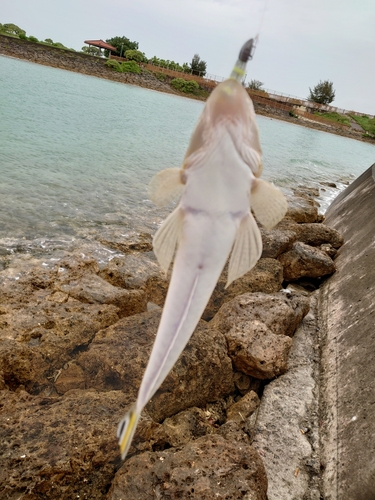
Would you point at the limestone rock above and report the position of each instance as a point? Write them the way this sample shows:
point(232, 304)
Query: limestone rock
point(138, 271)
point(256, 351)
point(93, 289)
point(266, 276)
point(243, 408)
point(117, 358)
point(179, 429)
point(280, 312)
point(137, 242)
point(59, 448)
point(276, 242)
point(306, 261)
point(317, 234)
point(37, 341)
point(302, 210)
point(207, 468)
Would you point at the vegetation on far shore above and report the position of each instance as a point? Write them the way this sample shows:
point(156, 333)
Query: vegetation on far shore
point(334, 117)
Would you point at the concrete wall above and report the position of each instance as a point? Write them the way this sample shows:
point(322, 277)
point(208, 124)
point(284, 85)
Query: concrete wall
point(347, 308)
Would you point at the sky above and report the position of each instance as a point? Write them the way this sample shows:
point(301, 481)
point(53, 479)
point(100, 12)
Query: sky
point(300, 41)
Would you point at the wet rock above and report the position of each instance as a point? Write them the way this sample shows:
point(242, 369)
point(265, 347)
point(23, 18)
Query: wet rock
point(117, 358)
point(266, 276)
point(138, 271)
point(276, 242)
point(256, 351)
point(306, 261)
point(302, 210)
point(243, 408)
point(139, 242)
point(280, 312)
point(209, 467)
point(59, 448)
point(93, 289)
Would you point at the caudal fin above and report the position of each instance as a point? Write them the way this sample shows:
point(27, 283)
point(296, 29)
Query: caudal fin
point(126, 430)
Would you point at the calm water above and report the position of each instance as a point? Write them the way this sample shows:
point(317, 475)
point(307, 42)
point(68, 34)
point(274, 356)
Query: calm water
point(77, 153)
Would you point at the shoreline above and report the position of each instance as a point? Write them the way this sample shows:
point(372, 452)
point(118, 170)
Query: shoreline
point(78, 62)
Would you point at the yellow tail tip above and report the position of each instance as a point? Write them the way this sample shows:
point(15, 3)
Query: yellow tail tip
point(126, 430)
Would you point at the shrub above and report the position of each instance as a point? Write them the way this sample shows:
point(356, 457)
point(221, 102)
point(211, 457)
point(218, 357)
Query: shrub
point(22, 36)
point(130, 67)
point(161, 76)
point(113, 64)
point(33, 39)
point(135, 55)
point(187, 86)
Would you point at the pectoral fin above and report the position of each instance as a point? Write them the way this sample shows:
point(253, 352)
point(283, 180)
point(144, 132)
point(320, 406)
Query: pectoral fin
point(268, 203)
point(247, 249)
point(165, 186)
point(166, 238)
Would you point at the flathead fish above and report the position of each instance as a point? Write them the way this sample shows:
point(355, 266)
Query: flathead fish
point(219, 187)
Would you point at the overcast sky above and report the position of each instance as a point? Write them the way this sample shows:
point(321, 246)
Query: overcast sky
point(300, 41)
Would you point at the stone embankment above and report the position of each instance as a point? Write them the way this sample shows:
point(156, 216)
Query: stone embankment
point(77, 62)
point(236, 416)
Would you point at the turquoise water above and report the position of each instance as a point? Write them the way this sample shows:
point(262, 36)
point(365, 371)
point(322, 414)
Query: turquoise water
point(77, 153)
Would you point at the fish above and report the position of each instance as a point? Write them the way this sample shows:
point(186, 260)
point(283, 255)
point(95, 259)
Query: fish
point(218, 188)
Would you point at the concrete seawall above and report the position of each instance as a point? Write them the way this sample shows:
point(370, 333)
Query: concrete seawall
point(347, 306)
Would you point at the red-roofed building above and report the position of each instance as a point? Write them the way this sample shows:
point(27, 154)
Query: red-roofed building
point(101, 44)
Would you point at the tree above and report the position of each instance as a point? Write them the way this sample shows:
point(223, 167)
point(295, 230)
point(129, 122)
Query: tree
point(255, 85)
point(12, 29)
point(197, 66)
point(135, 55)
point(322, 93)
point(92, 51)
point(122, 44)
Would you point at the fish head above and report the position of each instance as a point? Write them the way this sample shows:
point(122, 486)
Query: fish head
point(230, 108)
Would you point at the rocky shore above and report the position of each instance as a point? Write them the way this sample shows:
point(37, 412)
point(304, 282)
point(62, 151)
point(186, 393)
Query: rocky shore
point(95, 66)
point(236, 418)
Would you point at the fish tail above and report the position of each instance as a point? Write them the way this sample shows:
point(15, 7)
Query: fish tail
point(246, 53)
point(126, 430)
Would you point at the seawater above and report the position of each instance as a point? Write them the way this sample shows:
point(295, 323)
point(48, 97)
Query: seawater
point(77, 153)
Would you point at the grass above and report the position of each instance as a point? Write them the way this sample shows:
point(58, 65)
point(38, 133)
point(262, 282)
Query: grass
point(368, 124)
point(334, 117)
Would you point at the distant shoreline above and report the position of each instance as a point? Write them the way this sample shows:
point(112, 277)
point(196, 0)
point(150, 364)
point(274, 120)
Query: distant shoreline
point(79, 62)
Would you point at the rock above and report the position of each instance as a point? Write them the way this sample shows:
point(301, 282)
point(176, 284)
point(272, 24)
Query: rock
point(317, 234)
point(302, 210)
point(256, 351)
point(243, 408)
point(329, 250)
point(138, 271)
point(306, 261)
point(280, 312)
point(276, 242)
point(38, 340)
point(93, 289)
point(207, 468)
point(138, 242)
point(266, 276)
point(117, 358)
point(59, 448)
point(182, 428)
